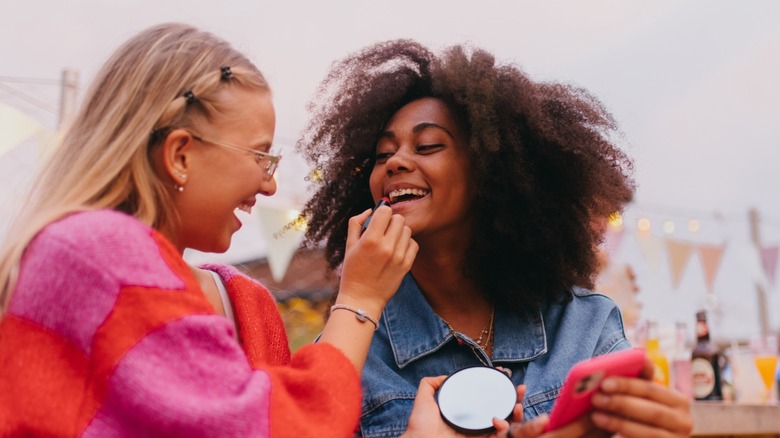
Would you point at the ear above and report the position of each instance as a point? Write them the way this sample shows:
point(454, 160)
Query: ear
point(176, 150)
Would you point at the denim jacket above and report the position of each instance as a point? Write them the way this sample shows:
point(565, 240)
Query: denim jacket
point(412, 342)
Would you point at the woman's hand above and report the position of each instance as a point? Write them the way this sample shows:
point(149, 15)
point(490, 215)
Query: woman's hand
point(583, 427)
point(638, 407)
point(376, 261)
point(425, 420)
point(374, 265)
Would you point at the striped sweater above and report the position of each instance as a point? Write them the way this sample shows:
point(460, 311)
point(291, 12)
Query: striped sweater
point(108, 334)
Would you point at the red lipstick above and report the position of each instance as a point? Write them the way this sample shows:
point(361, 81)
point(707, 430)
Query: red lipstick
point(384, 201)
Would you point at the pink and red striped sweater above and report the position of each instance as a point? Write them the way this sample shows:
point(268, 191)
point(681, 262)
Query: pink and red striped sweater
point(108, 334)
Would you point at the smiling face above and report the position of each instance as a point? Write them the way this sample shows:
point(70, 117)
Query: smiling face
point(422, 166)
point(223, 181)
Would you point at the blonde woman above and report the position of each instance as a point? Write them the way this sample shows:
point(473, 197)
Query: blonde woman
point(106, 331)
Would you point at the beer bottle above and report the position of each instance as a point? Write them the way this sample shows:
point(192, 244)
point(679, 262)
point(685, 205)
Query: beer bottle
point(706, 362)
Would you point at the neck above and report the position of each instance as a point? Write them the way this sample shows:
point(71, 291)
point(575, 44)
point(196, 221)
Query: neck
point(451, 295)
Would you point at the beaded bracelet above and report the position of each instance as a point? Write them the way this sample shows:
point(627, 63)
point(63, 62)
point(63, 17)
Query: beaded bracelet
point(360, 314)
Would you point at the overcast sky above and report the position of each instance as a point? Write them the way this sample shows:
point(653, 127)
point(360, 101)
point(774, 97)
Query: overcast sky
point(692, 83)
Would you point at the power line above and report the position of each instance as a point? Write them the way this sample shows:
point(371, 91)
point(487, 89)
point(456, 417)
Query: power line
point(730, 216)
point(29, 99)
point(36, 81)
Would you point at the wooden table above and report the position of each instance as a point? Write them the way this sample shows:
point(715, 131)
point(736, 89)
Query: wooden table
point(719, 419)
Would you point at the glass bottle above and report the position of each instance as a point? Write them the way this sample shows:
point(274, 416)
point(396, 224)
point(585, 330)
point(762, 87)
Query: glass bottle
point(681, 361)
point(657, 357)
point(706, 362)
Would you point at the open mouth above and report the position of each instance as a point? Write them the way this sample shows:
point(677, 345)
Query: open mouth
point(245, 207)
point(403, 195)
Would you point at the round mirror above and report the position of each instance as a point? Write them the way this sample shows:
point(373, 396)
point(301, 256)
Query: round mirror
point(470, 398)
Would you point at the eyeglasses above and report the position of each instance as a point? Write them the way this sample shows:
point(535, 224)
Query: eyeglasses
point(260, 157)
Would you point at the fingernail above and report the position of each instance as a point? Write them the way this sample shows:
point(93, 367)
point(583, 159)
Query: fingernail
point(600, 419)
point(609, 385)
point(600, 399)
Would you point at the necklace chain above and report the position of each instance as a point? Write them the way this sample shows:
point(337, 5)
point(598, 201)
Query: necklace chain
point(485, 338)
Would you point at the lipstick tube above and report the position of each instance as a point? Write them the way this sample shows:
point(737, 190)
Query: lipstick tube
point(384, 201)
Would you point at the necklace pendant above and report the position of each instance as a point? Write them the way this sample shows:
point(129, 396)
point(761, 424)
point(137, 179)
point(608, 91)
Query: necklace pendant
point(460, 341)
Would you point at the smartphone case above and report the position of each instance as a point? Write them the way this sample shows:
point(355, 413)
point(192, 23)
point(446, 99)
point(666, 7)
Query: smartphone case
point(584, 379)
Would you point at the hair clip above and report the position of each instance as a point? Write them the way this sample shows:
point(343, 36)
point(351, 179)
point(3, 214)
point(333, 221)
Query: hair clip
point(189, 96)
point(227, 74)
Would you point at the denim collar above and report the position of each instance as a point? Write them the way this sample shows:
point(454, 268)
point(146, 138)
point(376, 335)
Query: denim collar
point(415, 331)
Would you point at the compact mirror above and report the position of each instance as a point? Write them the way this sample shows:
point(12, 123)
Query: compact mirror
point(470, 398)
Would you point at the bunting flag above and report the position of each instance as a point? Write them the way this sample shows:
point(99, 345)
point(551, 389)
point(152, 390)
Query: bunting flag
point(679, 254)
point(651, 249)
point(15, 127)
point(769, 262)
point(281, 237)
point(710, 256)
point(750, 259)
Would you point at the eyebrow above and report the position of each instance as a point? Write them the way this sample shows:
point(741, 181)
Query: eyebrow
point(417, 129)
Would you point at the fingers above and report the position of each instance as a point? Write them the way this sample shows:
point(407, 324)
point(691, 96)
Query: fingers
point(517, 413)
point(629, 429)
point(380, 218)
point(644, 389)
point(429, 385)
point(375, 261)
point(387, 231)
point(637, 407)
point(355, 224)
point(582, 427)
point(530, 429)
point(647, 370)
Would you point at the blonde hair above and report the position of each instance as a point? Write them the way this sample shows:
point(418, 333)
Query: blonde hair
point(104, 158)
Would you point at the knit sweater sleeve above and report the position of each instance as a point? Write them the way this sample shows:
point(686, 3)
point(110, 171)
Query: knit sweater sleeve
point(315, 394)
point(115, 331)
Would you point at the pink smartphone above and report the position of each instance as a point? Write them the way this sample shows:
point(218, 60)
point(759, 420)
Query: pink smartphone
point(583, 380)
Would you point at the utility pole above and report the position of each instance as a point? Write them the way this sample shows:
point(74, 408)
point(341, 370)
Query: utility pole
point(763, 314)
point(68, 96)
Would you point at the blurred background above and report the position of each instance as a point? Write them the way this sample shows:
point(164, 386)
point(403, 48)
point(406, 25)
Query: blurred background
point(693, 84)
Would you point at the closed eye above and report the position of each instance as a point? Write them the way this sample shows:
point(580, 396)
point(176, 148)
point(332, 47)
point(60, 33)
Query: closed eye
point(429, 148)
point(381, 157)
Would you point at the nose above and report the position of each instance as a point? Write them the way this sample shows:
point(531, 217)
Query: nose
point(399, 162)
point(268, 187)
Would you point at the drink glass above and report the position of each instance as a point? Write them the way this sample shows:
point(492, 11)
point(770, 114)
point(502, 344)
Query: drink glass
point(764, 349)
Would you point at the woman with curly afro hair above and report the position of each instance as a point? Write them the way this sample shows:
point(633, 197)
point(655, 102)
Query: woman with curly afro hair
point(500, 179)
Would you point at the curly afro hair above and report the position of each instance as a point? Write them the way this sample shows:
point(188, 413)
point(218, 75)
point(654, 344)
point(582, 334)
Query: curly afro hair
point(544, 161)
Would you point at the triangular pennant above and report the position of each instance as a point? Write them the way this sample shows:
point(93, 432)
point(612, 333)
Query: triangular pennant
point(651, 249)
point(750, 259)
point(679, 254)
point(710, 256)
point(282, 239)
point(47, 141)
point(769, 262)
point(15, 127)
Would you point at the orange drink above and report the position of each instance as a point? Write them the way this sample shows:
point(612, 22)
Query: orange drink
point(764, 350)
point(766, 367)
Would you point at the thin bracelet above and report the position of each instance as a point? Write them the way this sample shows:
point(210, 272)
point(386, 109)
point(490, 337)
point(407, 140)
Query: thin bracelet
point(360, 314)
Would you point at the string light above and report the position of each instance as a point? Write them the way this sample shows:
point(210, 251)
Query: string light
point(298, 222)
point(669, 227)
point(315, 175)
point(643, 225)
point(616, 220)
point(694, 225)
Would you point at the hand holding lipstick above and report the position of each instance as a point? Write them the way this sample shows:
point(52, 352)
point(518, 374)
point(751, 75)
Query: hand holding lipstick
point(384, 201)
point(379, 252)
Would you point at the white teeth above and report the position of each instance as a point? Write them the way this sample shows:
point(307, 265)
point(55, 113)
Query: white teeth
point(246, 208)
point(395, 194)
